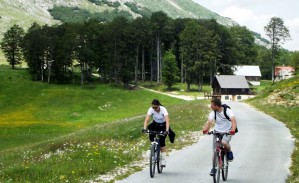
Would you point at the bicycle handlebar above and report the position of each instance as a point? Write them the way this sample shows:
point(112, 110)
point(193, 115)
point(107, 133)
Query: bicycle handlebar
point(154, 132)
point(213, 132)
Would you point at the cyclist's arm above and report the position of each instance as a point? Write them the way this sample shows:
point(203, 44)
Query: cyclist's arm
point(167, 122)
point(207, 125)
point(147, 118)
point(234, 123)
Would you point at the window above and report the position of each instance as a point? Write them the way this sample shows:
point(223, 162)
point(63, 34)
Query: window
point(226, 97)
point(239, 97)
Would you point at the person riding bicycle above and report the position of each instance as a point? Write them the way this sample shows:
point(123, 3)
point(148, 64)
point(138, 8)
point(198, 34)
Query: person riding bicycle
point(160, 123)
point(222, 125)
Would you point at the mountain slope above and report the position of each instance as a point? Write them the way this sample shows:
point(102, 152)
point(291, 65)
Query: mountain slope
point(25, 12)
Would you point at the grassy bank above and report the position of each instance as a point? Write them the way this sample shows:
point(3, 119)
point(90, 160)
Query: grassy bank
point(66, 133)
point(178, 89)
point(94, 151)
point(34, 111)
point(281, 102)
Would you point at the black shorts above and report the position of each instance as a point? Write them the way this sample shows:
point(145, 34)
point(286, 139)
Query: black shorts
point(154, 126)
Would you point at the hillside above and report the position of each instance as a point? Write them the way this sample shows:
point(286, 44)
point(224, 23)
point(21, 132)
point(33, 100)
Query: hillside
point(25, 12)
point(68, 133)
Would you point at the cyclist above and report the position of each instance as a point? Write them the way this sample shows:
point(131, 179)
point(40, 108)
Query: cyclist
point(222, 125)
point(160, 123)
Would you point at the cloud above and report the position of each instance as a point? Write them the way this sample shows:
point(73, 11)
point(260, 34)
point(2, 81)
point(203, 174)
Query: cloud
point(256, 14)
point(293, 26)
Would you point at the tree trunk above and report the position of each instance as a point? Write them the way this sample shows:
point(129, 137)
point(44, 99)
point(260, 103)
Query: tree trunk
point(182, 69)
point(151, 62)
point(115, 72)
point(136, 65)
point(142, 65)
point(273, 59)
point(82, 73)
point(158, 58)
point(188, 86)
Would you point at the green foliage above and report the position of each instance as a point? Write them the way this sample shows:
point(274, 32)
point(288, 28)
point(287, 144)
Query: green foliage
point(244, 47)
point(11, 45)
point(76, 14)
point(278, 33)
point(143, 11)
point(295, 60)
point(199, 51)
point(170, 69)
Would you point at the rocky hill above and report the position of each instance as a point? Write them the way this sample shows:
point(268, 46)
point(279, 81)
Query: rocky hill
point(25, 12)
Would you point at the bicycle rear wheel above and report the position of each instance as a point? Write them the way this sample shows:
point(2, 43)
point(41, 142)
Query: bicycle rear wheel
point(152, 161)
point(224, 167)
point(159, 160)
point(216, 175)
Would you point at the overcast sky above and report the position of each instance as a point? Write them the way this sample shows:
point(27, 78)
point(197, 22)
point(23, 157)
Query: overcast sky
point(256, 14)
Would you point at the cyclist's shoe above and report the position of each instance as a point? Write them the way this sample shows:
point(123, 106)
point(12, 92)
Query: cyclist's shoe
point(163, 163)
point(230, 156)
point(213, 171)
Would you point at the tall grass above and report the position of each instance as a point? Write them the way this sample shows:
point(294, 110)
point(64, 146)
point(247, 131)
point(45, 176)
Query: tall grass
point(287, 114)
point(65, 133)
point(179, 89)
point(85, 154)
point(34, 111)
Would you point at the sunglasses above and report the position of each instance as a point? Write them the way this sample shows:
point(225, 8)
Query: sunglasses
point(155, 107)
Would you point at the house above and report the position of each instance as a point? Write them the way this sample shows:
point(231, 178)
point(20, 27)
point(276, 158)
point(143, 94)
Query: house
point(283, 72)
point(231, 87)
point(252, 73)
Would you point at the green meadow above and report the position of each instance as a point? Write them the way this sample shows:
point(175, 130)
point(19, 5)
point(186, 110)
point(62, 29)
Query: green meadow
point(69, 133)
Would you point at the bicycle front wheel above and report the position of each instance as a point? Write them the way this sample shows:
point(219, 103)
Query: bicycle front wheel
point(152, 161)
point(159, 160)
point(216, 169)
point(224, 167)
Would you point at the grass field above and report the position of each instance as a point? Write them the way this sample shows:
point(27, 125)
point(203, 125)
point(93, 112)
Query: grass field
point(287, 114)
point(65, 133)
point(178, 89)
point(35, 111)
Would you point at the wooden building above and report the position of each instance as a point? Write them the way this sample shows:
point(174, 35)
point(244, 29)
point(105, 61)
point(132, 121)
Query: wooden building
point(231, 87)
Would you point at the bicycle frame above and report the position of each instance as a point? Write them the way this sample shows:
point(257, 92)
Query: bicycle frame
point(155, 157)
point(219, 156)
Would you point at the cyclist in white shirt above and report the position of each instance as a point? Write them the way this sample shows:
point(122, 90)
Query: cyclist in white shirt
point(222, 123)
point(160, 123)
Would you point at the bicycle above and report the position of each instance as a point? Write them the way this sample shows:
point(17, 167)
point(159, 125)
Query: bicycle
point(155, 156)
point(220, 161)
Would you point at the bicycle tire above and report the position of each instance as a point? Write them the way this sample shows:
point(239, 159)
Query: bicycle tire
point(224, 167)
point(152, 161)
point(159, 159)
point(216, 175)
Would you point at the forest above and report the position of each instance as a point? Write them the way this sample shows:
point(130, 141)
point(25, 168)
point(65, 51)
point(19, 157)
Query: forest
point(126, 51)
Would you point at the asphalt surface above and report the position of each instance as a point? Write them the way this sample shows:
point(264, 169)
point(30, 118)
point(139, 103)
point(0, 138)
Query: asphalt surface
point(262, 149)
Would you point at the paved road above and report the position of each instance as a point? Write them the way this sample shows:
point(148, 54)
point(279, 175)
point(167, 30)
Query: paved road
point(262, 151)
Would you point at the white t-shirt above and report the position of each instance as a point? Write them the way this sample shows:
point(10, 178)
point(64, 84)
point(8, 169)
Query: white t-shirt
point(222, 124)
point(158, 117)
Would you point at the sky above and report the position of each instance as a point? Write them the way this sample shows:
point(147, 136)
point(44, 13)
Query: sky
point(256, 14)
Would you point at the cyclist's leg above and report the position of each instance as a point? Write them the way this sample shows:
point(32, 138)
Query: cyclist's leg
point(163, 145)
point(225, 141)
point(153, 126)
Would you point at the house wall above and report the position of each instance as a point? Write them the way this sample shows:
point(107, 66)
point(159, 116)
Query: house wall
point(235, 97)
point(229, 91)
